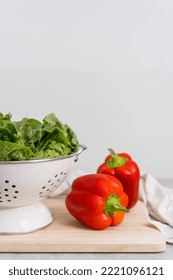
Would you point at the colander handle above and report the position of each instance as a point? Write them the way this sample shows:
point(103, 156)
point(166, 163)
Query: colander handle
point(80, 150)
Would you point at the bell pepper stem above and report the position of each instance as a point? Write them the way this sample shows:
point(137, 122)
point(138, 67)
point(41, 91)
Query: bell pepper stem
point(115, 160)
point(113, 205)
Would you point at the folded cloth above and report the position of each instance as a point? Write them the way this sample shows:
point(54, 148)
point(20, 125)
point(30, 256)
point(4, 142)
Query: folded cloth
point(159, 202)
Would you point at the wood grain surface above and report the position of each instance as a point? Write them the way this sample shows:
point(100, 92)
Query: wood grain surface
point(66, 234)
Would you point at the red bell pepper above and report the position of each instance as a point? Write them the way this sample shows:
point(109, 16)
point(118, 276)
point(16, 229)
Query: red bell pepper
point(122, 167)
point(97, 200)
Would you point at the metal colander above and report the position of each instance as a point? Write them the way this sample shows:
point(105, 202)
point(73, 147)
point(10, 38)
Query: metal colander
point(23, 184)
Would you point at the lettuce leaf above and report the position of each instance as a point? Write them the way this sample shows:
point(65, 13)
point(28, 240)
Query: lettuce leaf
point(32, 139)
point(14, 151)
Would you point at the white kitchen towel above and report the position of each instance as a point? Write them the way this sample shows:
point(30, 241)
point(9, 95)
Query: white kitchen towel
point(159, 202)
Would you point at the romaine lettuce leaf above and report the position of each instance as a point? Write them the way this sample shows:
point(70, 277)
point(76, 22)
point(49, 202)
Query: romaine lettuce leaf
point(14, 151)
point(32, 139)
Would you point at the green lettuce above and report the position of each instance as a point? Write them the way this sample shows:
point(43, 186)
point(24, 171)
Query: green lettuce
point(31, 139)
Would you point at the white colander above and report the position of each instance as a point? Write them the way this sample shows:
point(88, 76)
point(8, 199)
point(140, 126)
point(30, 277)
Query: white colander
point(23, 184)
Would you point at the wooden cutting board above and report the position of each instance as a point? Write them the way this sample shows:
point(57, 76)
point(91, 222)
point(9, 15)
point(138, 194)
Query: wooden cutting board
point(66, 234)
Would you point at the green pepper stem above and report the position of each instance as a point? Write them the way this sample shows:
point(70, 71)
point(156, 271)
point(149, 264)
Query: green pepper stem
point(115, 160)
point(113, 205)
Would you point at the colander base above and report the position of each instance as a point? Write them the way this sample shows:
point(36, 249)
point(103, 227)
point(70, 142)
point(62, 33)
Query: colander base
point(24, 219)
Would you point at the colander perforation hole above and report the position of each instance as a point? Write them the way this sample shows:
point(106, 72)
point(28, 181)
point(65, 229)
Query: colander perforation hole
point(63, 174)
point(44, 191)
point(8, 192)
point(52, 183)
point(40, 194)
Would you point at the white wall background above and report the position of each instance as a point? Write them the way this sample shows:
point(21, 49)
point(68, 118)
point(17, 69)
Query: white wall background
point(105, 67)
